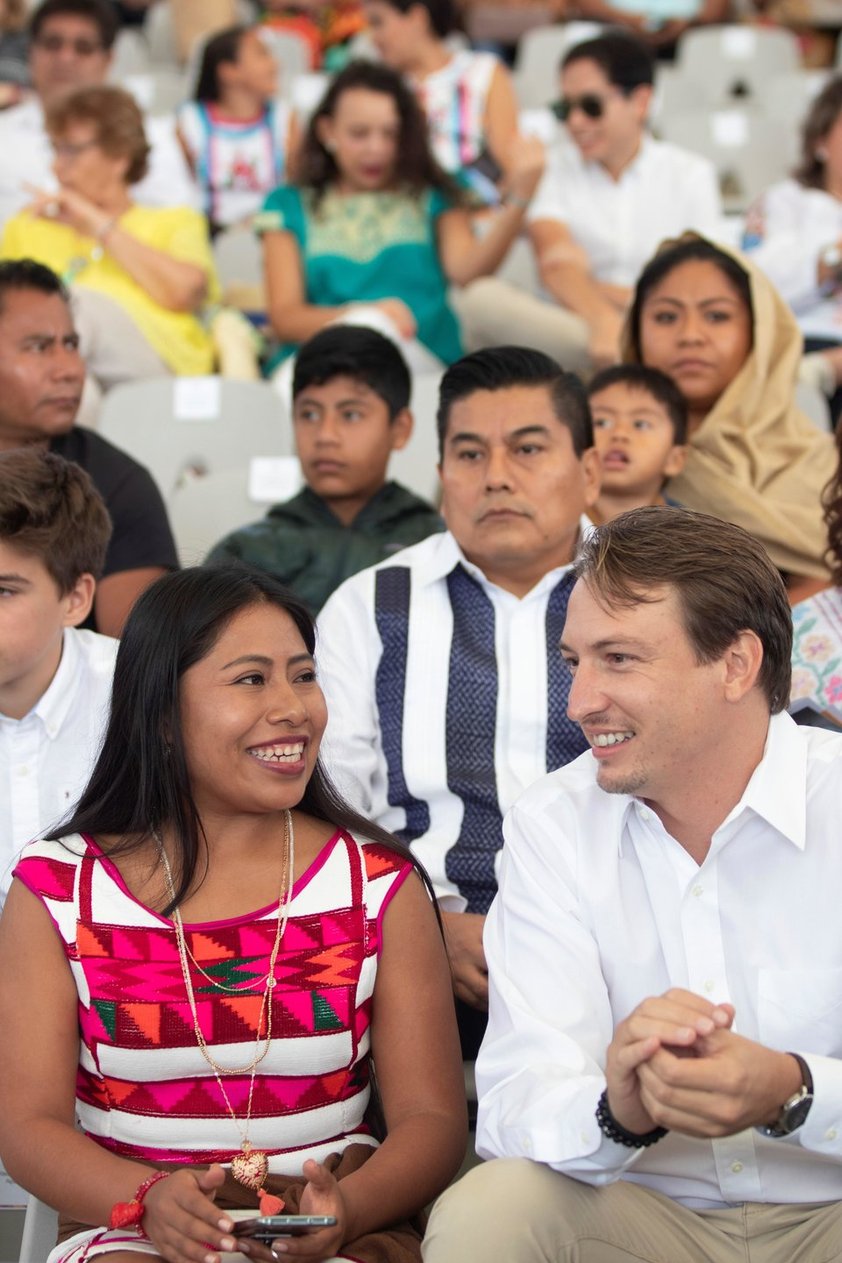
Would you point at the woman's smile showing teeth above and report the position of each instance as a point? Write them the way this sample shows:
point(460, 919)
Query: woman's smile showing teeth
point(286, 754)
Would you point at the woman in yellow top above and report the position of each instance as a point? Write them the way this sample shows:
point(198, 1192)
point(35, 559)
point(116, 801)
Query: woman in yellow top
point(140, 275)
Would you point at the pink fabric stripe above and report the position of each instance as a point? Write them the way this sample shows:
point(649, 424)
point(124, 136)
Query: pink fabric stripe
point(396, 885)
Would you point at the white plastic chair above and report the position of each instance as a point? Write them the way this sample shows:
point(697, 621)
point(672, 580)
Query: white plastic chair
point(539, 52)
point(40, 1229)
point(203, 510)
point(177, 424)
point(736, 62)
point(749, 149)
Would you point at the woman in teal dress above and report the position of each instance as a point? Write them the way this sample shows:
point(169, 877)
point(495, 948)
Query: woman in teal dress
point(373, 222)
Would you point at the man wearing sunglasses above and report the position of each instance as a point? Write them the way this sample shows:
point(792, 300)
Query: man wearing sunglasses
point(71, 44)
point(609, 198)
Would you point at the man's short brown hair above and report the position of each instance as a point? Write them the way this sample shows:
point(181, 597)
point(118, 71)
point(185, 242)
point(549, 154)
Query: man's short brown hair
point(723, 577)
point(117, 119)
point(50, 509)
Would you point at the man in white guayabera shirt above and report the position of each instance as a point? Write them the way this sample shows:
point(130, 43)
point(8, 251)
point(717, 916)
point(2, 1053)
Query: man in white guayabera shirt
point(441, 666)
point(661, 1080)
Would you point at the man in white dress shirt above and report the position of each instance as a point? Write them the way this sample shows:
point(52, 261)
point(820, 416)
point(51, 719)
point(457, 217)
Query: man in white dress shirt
point(610, 192)
point(71, 45)
point(55, 680)
point(662, 1073)
point(445, 685)
point(609, 195)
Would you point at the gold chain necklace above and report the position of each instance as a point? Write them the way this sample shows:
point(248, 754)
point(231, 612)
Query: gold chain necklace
point(250, 1166)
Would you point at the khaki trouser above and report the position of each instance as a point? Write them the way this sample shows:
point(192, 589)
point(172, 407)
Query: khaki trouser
point(493, 312)
point(512, 1210)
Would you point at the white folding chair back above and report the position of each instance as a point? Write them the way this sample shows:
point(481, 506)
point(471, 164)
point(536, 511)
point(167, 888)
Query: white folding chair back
point(748, 149)
point(539, 52)
point(735, 62)
point(173, 425)
point(416, 465)
point(789, 96)
point(203, 510)
point(40, 1229)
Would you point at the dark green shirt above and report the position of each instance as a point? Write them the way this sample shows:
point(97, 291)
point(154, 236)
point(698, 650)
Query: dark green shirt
point(302, 543)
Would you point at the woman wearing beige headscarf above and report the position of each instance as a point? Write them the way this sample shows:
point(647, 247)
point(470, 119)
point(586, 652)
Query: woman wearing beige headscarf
point(717, 326)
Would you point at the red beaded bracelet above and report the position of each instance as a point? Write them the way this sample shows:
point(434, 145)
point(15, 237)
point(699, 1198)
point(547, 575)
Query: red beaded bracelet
point(130, 1214)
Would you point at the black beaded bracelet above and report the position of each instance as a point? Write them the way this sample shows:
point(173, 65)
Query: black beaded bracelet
point(609, 1127)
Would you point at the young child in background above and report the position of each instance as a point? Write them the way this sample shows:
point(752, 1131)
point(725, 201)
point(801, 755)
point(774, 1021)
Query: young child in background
point(351, 390)
point(640, 428)
point(55, 680)
point(236, 134)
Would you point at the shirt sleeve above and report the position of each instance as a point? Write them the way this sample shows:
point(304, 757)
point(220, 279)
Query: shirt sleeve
point(778, 241)
point(347, 652)
point(547, 996)
point(549, 201)
point(141, 536)
point(282, 211)
point(822, 1130)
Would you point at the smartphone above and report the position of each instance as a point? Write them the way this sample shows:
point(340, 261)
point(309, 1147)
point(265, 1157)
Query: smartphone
point(268, 1227)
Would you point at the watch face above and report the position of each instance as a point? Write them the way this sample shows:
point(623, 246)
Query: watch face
point(795, 1114)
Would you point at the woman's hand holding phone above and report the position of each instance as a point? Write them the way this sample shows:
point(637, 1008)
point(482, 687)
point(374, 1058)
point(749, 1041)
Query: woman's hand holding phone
point(322, 1196)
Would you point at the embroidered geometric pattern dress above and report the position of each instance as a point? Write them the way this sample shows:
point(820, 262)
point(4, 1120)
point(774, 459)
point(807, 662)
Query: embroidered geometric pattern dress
point(144, 1090)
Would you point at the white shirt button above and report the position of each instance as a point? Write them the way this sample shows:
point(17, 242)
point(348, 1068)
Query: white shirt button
point(830, 1134)
point(645, 813)
point(698, 890)
point(23, 771)
point(736, 1167)
point(709, 985)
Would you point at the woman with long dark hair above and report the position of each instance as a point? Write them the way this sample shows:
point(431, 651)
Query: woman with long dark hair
point(206, 960)
point(237, 136)
point(373, 221)
point(713, 323)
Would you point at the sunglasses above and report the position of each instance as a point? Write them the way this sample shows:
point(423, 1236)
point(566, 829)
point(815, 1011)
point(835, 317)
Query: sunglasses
point(591, 105)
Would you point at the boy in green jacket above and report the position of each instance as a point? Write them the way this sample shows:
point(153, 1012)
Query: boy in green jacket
point(350, 394)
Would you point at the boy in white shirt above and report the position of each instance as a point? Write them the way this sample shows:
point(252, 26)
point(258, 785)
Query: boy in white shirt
point(55, 681)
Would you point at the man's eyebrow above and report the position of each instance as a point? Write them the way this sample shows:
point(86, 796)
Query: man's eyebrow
point(15, 578)
point(465, 436)
point(611, 642)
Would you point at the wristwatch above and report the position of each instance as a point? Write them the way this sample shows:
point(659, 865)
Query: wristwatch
point(795, 1110)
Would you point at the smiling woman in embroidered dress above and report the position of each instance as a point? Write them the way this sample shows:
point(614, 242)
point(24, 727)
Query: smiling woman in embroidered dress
point(217, 951)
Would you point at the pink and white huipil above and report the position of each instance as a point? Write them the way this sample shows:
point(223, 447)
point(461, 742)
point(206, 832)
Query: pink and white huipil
point(144, 1090)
